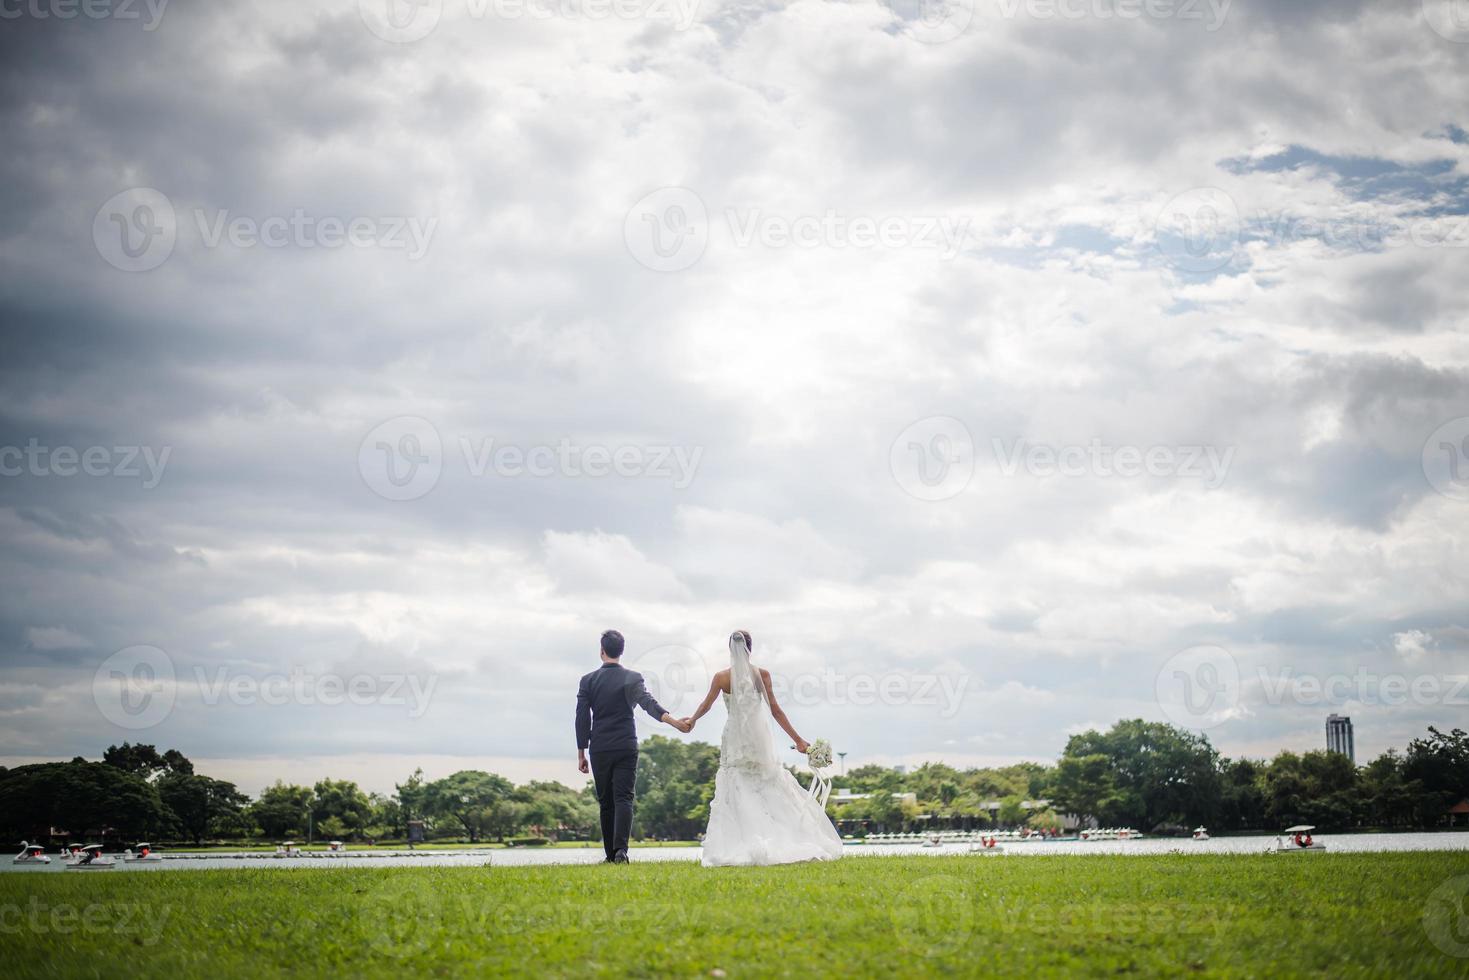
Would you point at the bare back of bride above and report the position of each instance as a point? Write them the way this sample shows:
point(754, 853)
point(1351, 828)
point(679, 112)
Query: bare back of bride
point(760, 814)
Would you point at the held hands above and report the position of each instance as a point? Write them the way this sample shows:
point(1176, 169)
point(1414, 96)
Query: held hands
point(682, 724)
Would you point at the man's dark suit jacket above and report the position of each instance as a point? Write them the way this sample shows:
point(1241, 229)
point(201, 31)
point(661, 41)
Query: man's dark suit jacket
point(604, 709)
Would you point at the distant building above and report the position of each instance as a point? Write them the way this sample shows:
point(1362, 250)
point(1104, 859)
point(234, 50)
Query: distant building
point(1339, 736)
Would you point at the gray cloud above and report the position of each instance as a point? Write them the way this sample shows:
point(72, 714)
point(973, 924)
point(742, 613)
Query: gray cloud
point(526, 322)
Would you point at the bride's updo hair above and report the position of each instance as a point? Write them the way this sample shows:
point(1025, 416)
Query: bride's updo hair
point(749, 640)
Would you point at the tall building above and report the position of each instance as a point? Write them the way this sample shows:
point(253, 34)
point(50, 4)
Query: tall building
point(1339, 736)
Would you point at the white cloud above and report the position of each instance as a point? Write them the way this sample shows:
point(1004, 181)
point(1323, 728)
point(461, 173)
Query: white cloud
point(1323, 366)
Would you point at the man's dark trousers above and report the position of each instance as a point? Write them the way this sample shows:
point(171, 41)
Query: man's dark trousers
point(614, 774)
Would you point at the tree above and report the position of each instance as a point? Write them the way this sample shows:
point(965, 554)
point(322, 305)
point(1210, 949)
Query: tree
point(144, 760)
point(1242, 794)
point(201, 805)
point(412, 796)
point(469, 797)
point(340, 799)
point(1390, 798)
point(1440, 765)
point(282, 810)
point(1085, 785)
point(1318, 788)
point(549, 807)
point(1160, 774)
point(83, 798)
point(671, 780)
point(387, 817)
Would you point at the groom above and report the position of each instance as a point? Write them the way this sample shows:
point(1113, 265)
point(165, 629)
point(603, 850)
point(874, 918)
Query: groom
point(604, 721)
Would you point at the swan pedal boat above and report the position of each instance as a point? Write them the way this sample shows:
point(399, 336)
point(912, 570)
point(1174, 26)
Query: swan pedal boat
point(89, 858)
point(144, 855)
point(1294, 839)
point(31, 854)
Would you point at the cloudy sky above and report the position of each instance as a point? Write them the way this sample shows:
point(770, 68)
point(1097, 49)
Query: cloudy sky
point(1006, 368)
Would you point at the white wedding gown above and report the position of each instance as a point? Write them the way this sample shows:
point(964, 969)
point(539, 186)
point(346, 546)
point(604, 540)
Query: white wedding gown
point(760, 814)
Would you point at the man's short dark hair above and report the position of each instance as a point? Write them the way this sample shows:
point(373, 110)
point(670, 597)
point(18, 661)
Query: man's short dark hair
point(612, 644)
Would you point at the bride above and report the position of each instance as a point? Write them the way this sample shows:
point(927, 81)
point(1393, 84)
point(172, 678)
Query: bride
point(760, 814)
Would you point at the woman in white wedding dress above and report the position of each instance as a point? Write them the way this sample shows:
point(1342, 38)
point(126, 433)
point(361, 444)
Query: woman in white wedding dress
point(760, 814)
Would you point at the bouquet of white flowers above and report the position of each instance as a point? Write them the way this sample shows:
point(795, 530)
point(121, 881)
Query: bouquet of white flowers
point(818, 756)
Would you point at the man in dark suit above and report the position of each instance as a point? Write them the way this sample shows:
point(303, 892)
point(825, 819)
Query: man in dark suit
point(604, 723)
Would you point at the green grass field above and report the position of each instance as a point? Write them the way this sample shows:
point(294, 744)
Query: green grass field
point(1324, 915)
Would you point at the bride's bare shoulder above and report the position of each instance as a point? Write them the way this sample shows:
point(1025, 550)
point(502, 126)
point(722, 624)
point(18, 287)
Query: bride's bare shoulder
point(721, 679)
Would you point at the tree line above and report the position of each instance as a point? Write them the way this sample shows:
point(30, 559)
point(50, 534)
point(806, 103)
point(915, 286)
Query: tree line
point(1155, 776)
point(1141, 774)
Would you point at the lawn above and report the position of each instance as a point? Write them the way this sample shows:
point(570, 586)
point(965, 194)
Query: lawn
point(1333, 915)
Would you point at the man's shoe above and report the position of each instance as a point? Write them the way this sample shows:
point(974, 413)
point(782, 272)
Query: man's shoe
point(620, 857)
